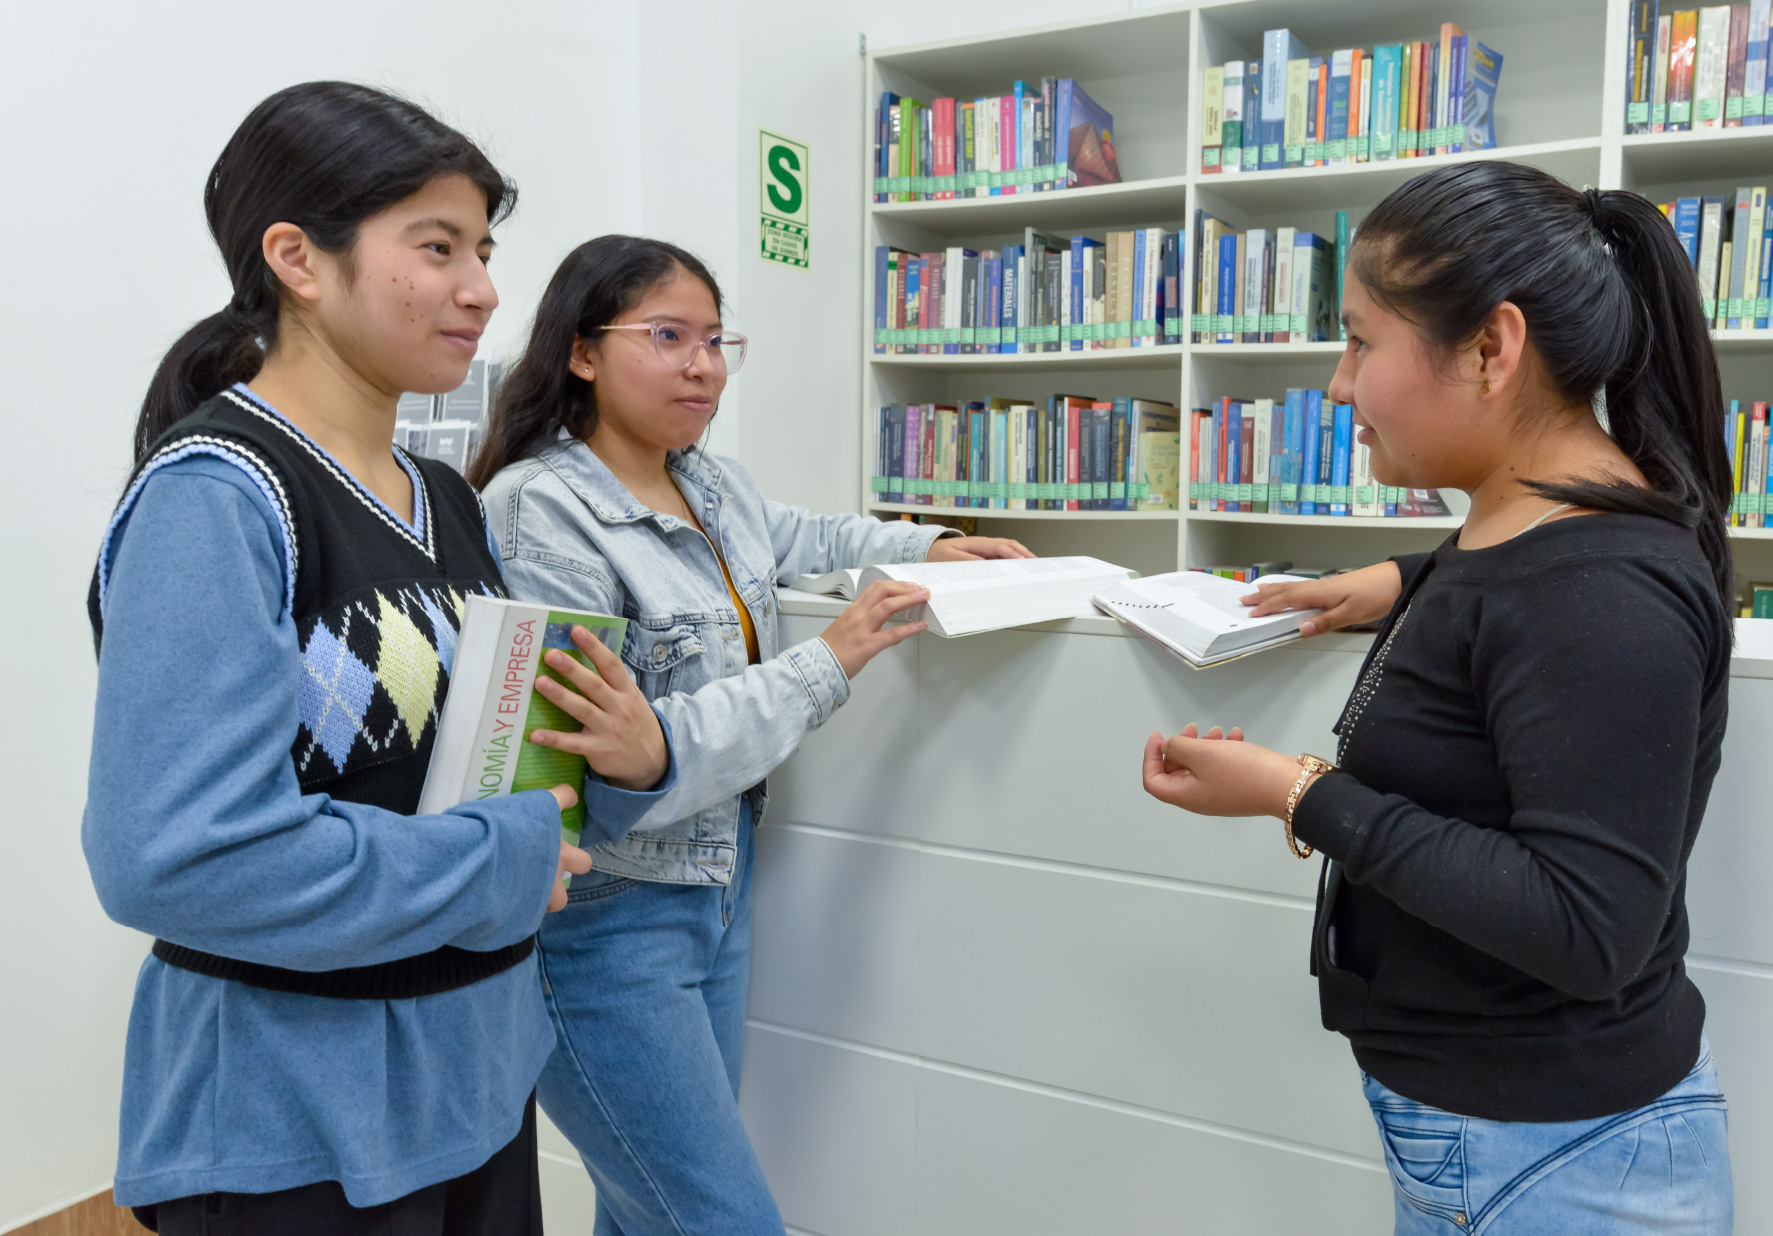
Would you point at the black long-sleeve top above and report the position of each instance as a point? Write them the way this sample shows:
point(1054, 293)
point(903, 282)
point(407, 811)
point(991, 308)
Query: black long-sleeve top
point(1525, 761)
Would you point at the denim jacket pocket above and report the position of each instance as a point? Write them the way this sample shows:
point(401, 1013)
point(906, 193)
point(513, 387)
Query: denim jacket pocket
point(655, 653)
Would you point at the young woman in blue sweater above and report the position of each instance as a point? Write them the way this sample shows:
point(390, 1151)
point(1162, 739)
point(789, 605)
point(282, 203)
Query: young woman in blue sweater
point(341, 1024)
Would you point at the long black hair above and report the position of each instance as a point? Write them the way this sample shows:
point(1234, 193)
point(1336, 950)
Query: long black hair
point(1611, 304)
point(324, 156)
point(596, 283)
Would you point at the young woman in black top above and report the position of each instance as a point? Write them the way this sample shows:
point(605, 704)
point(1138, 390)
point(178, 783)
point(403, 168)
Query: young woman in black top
point(1527, 754)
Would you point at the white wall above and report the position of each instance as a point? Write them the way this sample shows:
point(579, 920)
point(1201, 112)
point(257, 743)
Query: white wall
point(116, 112)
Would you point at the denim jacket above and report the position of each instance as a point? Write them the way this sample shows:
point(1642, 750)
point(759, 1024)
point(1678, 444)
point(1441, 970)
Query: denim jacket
point(571, 534)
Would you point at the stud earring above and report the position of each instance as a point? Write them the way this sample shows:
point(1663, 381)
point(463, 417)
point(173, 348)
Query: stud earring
point(1485, 389)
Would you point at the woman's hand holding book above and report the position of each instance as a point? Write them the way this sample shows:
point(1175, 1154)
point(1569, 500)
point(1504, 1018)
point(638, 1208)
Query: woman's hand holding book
point(1348, 599)
point(573, 861)
point(860, 633)
point(621, 740)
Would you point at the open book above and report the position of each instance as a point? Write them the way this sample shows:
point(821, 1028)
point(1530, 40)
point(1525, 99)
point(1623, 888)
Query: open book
point(482, 749)
point(986, 595)
point(1200, 617)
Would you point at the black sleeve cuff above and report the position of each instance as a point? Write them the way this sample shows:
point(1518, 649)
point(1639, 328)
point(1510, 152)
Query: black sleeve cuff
point(1332, 815)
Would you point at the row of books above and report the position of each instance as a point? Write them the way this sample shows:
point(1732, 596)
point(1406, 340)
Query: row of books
point(1263, 286)
point(1074, 454)
point(1397, 101)
point(1746, 438)
point(1025, 141)
point(1692, 69)
point(1729, 240)
point(1256, 570)
point(1046, 294)
point(1297, 456)
point(449, 427)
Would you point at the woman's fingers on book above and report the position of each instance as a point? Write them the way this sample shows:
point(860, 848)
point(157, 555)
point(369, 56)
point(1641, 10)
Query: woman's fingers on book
point(566, 796)
point(608, 665)
point(573, 860)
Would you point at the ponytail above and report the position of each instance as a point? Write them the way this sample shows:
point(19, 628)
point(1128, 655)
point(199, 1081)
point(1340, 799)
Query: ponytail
point(1611, 306)
point(324, 156)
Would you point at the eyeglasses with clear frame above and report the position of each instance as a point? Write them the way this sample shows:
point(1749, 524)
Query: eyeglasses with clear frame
point(677, 345)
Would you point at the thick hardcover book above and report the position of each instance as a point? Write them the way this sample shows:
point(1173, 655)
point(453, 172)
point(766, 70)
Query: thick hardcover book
point(1200, 617)
point(1279, 50)
point(483, 749)
point(1711, 67)
point(1086, 133)
point(1212, 120)
point(1736, 66)
point(1387, 76)
point(1639, 52)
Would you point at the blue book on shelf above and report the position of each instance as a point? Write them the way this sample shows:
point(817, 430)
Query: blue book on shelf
point(1292, 417)
point(880, 297)
point(1227, 290)
point(1277, 450)
point(1388, 75)
point(976, 456)
point(1686, 226)
point(1080, 254)
point(1482, 74)
point(1138, 284)
point(1000, 454)
point(1012, 268)
point(1307, 466)
point(1252, 148)
point(1764, 289)
point(1336, 140)
point(1342, 431)
point(883, 137)
point(1278, 47)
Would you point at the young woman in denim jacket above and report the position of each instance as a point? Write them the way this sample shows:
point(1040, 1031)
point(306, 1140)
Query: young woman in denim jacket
point(599, 501)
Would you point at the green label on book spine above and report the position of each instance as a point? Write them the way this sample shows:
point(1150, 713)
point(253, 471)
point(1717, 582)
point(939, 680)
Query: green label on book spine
point(1382, 144)
point(878, 484)
point(1764, 307)
point(1144, 326)
point(1637, 113)
point(1298, 323)
point(1246, 492)
point(1659, 113)
point(1735, 309)
point(1210, 157)
point(1271, 153)
point(1295, 154)
point(1138, 491)
point(1708, 109)
point(1754, 104)
point(1709, 308)
point(1097, 489)
point(1336, 149)
point(1733, 108)
point(880, 184)
point(1250, 159)
point(1314, 152)
point(1680, 113)
point(1288, 493)
point(1406, 139)
point(1363, 494)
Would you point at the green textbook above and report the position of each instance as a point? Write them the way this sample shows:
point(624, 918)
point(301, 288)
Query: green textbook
point(483, 748)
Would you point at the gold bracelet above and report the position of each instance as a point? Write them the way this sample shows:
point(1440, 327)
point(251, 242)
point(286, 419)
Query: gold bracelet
point(1309, 766)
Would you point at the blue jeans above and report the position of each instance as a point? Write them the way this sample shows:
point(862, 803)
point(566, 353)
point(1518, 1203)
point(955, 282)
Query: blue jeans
point(646, 984)
point(1663, 1167)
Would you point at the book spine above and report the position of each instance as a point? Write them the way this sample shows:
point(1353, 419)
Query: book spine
point(1711, 67)
point(1457, 86)
point(1293, 129)
point(1257, 420)
point(1736, 70)
point(1172, 311)
point(1659, 74)
point(1755, 483)
point(1326, 454)
point(1711, 238)
point(1732, 311)
point(1135, 314)
point(1101, 458)
point(1343, 239)
point(1212, 121)
point(1073, 453)
point(1751, 262)
point(1341, 69)
point(1754, 88)
point(1683, 49)
point(1310, 440)
point(1360, 116)
point(1225, 281)
point(1317, 119)
point(1231, 133)
point(1764, 287)
point(1279, 47)
point(1343, 430)
point(1442, 92)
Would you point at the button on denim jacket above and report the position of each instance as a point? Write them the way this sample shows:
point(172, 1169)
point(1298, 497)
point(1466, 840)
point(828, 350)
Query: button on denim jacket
point(572, 535)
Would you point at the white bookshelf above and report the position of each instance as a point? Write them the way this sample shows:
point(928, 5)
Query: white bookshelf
point(1561, 108)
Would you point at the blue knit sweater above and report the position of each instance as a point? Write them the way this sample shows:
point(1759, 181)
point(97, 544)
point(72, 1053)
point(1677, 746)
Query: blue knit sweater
point(196, 830)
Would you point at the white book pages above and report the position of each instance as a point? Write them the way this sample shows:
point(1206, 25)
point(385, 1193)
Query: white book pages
point(967, 598)
point(1200, 617)
point(832, 583)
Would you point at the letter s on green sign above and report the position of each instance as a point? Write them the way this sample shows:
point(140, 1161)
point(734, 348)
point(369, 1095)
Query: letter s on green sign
point(783, 165)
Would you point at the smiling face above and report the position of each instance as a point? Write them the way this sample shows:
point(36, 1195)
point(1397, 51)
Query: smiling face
point(406, 306)
point(639, 396)
point(1424, 423)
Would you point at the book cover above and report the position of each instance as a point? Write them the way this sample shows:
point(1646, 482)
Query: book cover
point(1292, 423)
point(1294, 125)
point(1136, 305)
point(1683, 47)
point(1231, 131)
point(1252, 107)
point(1639, 50)
point(1444, 86)
point(1482, 79)
point(1342, 431)
point(1754, 88)
point(1227, 283)
point(1212, 119)
point(1361, 109)
point(1279, 49)
point(1711, 239)
point(1009, 136)
point(942, 158)
point(1659, 75)
point(1326, 456)
point(1336, 139)
point(1159, 449)
point(482, 749)
point(1088, 133)
point(1686, 225)
point(1259, 420)
point(1255, 275)
point(1310, 441)
point(1282, 309)
point(1387, 75)
point(1736, 66)
point(1711, 67)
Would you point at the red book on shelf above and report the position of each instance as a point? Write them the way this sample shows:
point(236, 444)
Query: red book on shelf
point(1224, 434)
point(1073, 425)
point(1683, 41)
point(942, 125)
point(1006, 139)
point(927, 456)
point(1320, 96)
